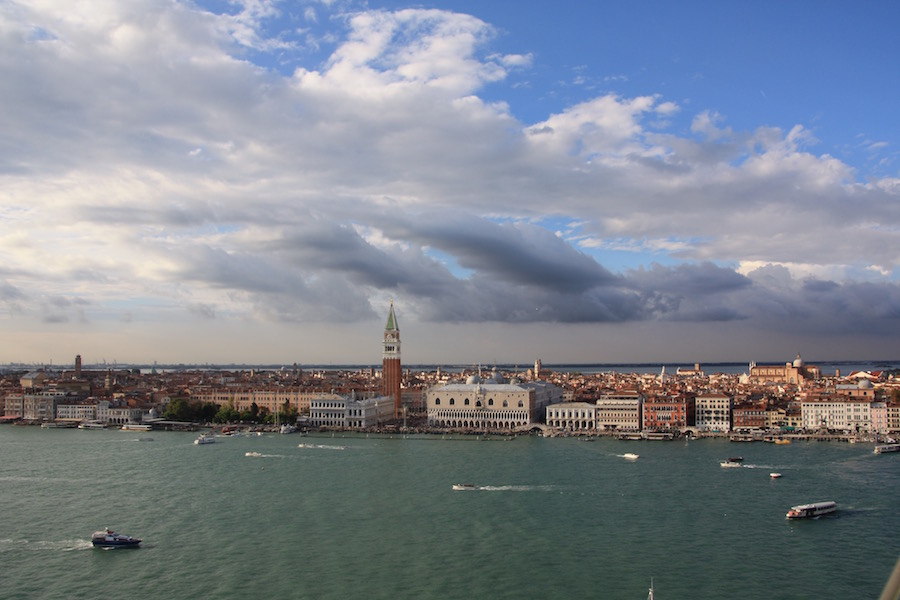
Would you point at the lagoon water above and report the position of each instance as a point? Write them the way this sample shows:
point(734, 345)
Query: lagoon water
point(357, 517)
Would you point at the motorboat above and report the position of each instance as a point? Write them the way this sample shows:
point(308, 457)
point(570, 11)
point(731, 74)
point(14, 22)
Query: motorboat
point(464, 486)
point(110, 539)
point(253, 454)
point(811, 511)
point(884, 448)
point(630, 456)
point(205, 438)
point(775, 475)
point(92, 425)
point(286, 429)
point(733, 462)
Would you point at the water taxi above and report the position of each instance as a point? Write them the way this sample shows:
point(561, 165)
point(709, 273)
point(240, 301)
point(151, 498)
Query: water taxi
point(110, 539)
point(733, 462)
point(630, 456)
point(811, 511)
point(204, 438)
point(464, 486)
point(775, 475)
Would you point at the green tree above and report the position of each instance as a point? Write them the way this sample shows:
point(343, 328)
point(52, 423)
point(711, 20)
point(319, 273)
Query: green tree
point(178, 409)
point(226, 414)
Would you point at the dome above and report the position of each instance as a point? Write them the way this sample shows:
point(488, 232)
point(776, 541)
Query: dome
point(473, 379)
point(798, 362)
point(865, 384)
point(496, 376)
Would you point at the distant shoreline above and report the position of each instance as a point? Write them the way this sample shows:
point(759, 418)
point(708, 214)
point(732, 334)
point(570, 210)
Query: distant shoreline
point(827, 366)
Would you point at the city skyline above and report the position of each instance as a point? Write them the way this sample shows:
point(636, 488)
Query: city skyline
point(256, 181)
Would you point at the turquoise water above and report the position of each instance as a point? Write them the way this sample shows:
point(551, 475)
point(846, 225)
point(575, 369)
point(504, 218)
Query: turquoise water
point(358, 517)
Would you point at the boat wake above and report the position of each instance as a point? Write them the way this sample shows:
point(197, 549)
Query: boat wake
point(9, 545)
point(322, 446)
point(516, 488)
point(261, 455)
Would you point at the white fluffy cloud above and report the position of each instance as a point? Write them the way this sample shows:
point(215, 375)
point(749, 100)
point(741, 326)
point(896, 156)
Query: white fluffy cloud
point(155, 168)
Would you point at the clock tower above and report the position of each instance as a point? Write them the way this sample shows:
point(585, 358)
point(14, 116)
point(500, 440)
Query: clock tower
point(390, 361)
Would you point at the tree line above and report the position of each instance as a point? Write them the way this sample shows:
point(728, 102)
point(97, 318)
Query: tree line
point(195, 411)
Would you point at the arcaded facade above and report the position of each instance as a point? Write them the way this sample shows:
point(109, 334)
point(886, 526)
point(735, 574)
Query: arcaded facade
point(489, 404)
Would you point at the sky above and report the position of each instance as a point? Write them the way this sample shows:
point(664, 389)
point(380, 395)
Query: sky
point(255, 181)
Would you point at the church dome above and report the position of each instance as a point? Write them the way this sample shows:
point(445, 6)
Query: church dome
point(798, 362)
point(473, 379)
point(865, 384)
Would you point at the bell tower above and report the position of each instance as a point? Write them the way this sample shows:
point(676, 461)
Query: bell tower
point(390, 362)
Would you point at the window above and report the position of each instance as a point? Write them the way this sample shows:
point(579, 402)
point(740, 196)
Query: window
point(466, 402)
point(437, 401)
point(452, 401)
point(490, 402)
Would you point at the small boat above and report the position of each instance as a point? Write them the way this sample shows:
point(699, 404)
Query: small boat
point(884, 448)
point(650, 595)
point(811, 511)
point(205, 438)
point(782, 441)
point(286, 429)
point(464, 486)
point(775, 475)
point(110, 539)
point(253, 454)
point(92, 425)
point(630, 456)
point(733, 462)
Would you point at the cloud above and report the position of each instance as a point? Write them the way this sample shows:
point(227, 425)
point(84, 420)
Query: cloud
point(153, 164)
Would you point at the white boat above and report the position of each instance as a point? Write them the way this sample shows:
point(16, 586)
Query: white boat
point(884, 448)
point(288, 429)
point(732, 463)
point(464, 486)
point(92, 425)
point(253, 454)
point(630, 456)
point(205, 438)
point(775, 475)
point(136, 427)
point(650, 595)
point(811, 511)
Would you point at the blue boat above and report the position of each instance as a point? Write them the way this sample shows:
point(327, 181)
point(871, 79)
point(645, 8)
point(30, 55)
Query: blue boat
point(110, 539)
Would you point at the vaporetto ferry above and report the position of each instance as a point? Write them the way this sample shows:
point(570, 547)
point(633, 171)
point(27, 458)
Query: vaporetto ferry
point(811, 511)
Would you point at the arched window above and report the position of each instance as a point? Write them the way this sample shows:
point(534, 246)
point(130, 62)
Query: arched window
point(521, 404)
point(437, 401)
point(505, 404)
point(467, 402)
point(478, 403)
point(490, 401)
point(452, 401)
